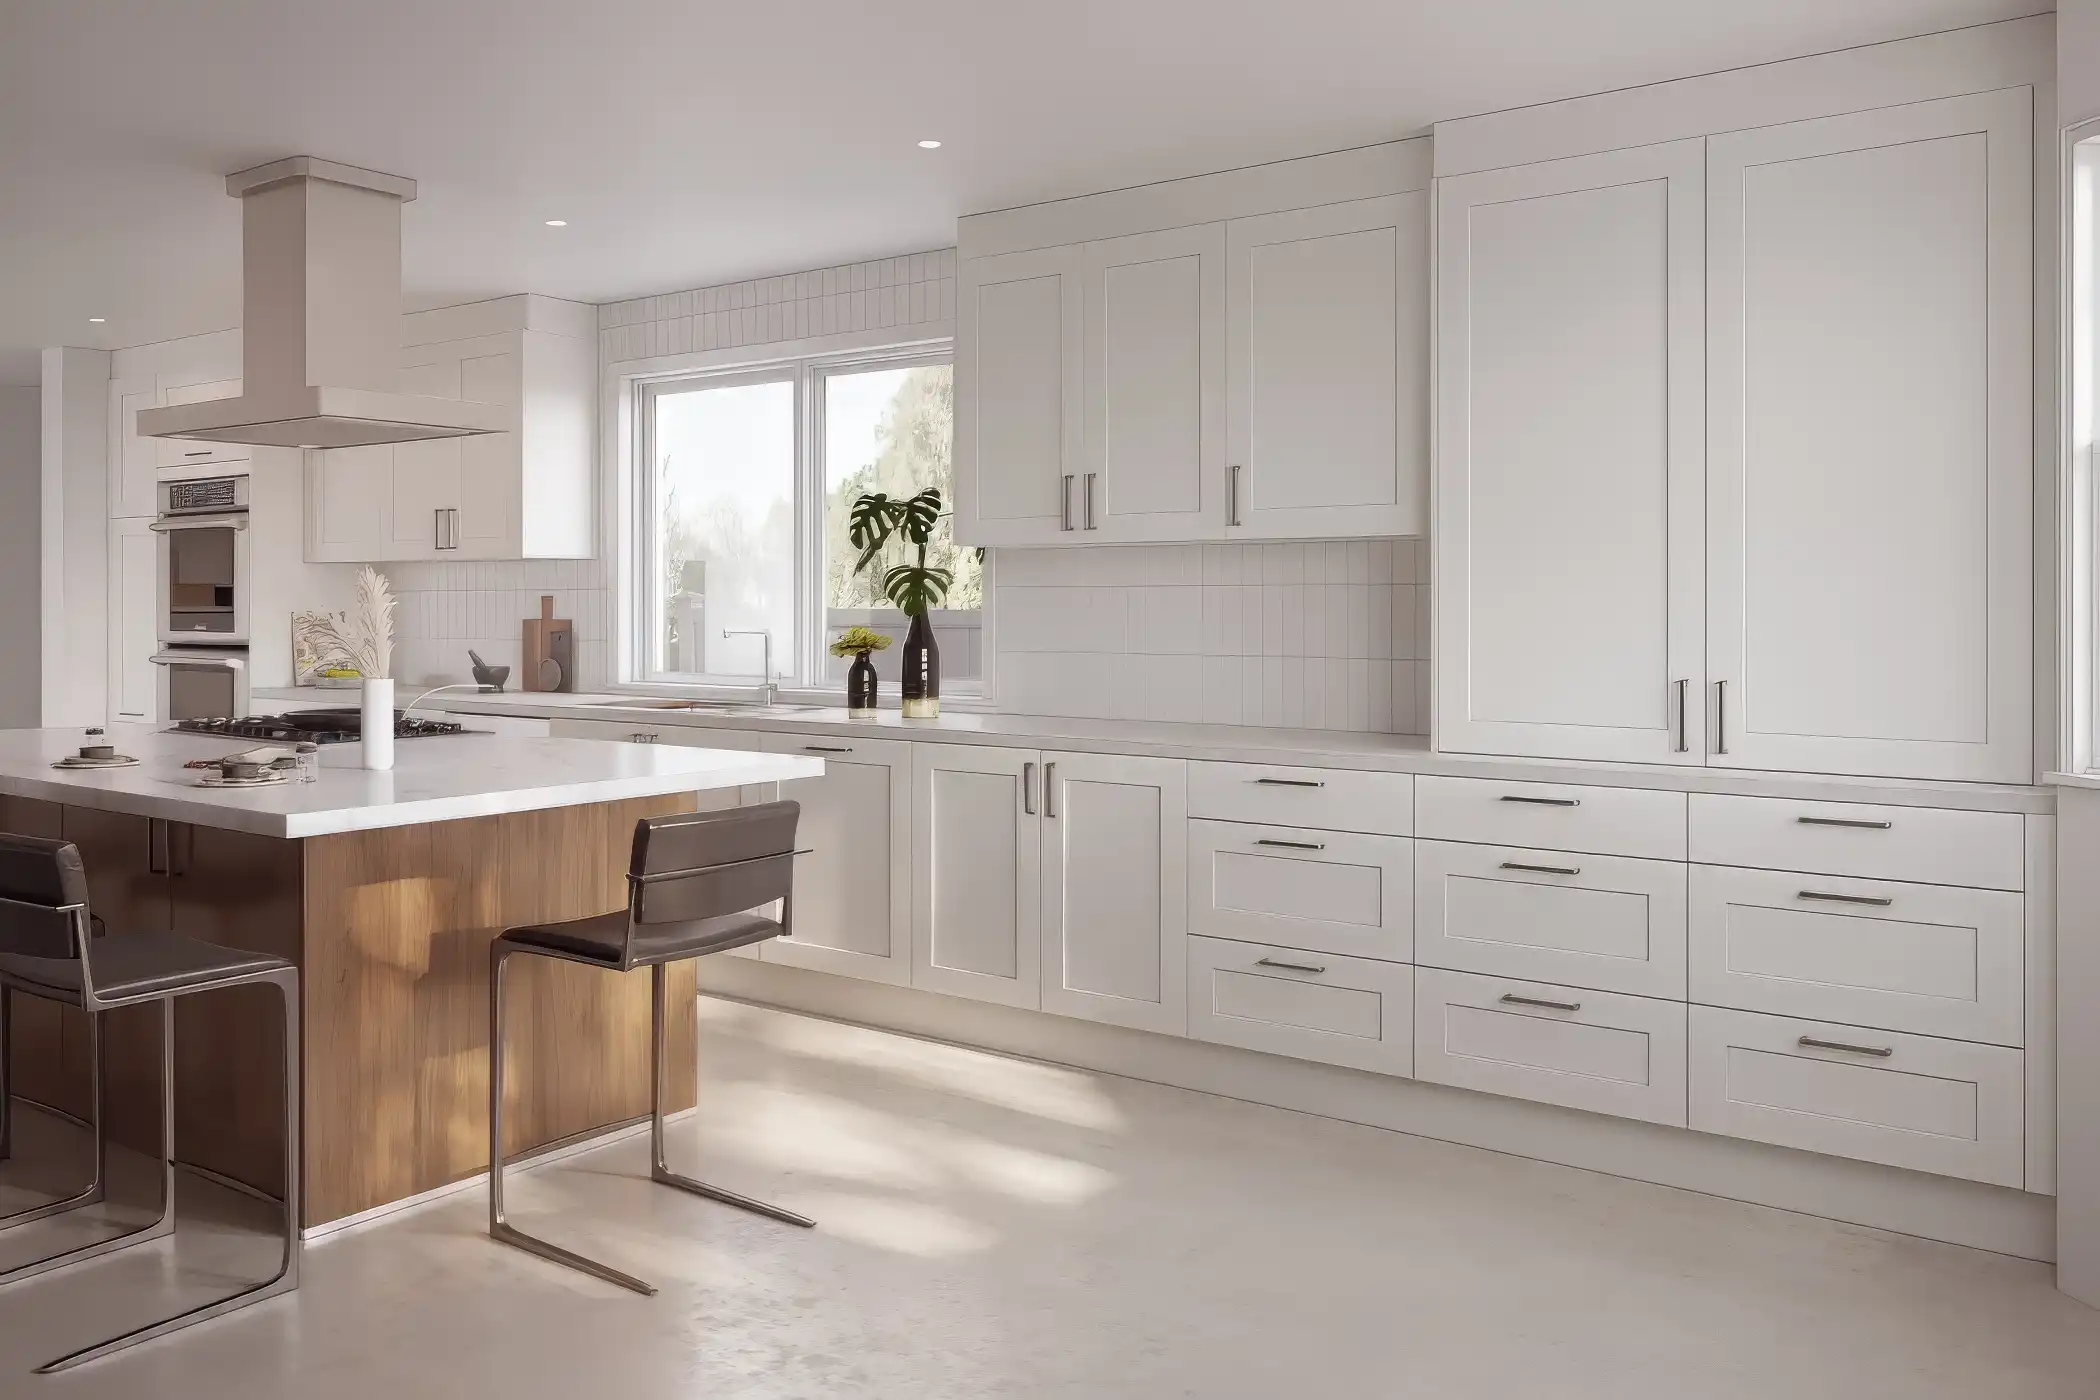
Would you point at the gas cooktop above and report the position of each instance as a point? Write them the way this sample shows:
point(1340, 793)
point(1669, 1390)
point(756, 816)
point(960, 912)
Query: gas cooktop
point(314, 727)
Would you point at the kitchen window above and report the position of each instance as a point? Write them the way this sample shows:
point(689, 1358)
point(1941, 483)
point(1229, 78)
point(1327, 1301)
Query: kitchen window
point(744, 480)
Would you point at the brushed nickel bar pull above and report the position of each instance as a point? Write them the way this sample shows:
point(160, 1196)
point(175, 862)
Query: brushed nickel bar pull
point(1720, 717)
point(1845, 821)
point(1289, 782)
point(1086, 499)
point(1232, 496)
point(1879, 1052)
point(1293, 845)
point(1064, 504)
point(1289, 966)
point(1028, 789)
point(828, 748)
point(1050, 788)
point(1543, 869)
point(1877, 900)
point(1543, 801)
point(1680, 687)
point(1514, 1000)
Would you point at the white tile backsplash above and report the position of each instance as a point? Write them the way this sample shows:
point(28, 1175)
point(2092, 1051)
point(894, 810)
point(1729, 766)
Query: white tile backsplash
point(1319, 635)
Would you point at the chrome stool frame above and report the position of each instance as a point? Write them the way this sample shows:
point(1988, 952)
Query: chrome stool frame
point(47, 951)
point(673, 914)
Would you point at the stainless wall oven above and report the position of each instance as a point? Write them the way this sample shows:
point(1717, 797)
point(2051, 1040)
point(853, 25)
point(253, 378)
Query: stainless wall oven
point(202, 683)
point(203, 529)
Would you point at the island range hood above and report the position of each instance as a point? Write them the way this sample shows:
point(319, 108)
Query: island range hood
point(321, 320)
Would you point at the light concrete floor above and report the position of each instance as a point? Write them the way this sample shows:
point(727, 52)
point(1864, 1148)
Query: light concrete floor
point(991, 1228)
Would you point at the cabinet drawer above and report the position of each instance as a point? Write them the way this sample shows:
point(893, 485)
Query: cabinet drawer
point(1941, 1106)
point(1312, 1006)
point(1336, 799)
point(1926, 844)
point(1608, 922)
point(1608, 821)
point(1335, 891)
point(1933, 959)
point(1532, 1040)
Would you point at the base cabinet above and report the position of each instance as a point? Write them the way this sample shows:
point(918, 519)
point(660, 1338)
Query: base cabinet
point(977, 859)
point(1115, 859)
point(852, 911)
point(1310, 1006)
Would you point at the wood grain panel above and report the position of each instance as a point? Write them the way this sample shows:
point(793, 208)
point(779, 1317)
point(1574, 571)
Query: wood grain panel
point(398, 925)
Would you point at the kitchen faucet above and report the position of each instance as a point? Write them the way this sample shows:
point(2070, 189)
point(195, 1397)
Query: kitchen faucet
point(772, 692)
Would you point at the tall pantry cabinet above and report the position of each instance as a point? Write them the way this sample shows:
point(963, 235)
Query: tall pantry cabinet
point(1735, 439)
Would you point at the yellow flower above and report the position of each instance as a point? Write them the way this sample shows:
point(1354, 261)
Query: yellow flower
point(859, 641)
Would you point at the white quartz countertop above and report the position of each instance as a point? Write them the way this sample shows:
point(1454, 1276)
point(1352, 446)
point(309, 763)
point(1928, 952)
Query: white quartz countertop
point(1312, 748)
point(433, 779)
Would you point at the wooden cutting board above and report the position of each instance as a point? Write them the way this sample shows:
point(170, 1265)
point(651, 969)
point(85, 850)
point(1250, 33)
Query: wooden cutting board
point(550, 650)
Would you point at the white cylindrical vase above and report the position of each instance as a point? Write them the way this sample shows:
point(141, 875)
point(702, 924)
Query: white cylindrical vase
point(376, 724)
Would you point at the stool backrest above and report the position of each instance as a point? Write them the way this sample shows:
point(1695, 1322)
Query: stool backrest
point(701, 865)
point(43, 898)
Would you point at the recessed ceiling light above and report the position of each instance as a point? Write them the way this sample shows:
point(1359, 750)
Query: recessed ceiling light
point(929, 145)
point(97, 320)
point(557, 223)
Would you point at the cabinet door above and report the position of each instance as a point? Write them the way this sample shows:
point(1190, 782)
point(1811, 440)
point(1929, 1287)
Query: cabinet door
point(1115, 874)
point(1019, 416)
point(1327, 370)
point(181, 452)
point(423, 477)
point(977, 863)
point(132, 459)
point(134, 623)
point(852, 910)
point(1869, 445)
point(1569, 579)
point(490, 466)
point(1155, 387)
point(347, 495)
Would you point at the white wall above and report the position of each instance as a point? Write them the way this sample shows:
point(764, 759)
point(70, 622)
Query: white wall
point(74, 535)
point(21, 552)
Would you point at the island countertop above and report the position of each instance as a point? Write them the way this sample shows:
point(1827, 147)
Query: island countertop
point(434, 779)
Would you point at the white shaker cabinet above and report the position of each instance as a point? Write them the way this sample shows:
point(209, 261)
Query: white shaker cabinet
point(1115, 873)
point(1019, 401)
point(134, 632)
point(180, 452)
point(1154, 317)
point(1327, 376)
point(1570, 441)
point(977, 866)
point(132, 459)
point(852, 910)
point(1869, 441)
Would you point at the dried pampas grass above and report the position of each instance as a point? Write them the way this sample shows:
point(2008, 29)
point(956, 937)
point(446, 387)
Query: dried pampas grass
point(362, 639)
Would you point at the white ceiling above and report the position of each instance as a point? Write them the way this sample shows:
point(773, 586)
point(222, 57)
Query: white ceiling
point(696, 141)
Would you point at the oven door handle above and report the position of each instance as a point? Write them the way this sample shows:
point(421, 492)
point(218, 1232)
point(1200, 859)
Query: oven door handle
point(192, 658)
point(167, 524)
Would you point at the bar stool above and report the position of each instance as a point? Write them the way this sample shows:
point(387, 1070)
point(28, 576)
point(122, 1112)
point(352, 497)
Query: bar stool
point(52, 948)
point(692, 882)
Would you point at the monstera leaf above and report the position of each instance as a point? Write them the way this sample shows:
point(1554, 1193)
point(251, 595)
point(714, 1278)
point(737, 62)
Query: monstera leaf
point(877, 517)
point(916, 587)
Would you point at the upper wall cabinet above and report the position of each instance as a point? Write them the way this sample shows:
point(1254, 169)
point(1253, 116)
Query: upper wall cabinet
point(135, 462)
point(522, 495)
point(1238, 356)
point(1735, 459)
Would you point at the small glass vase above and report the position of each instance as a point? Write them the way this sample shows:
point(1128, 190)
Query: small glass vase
point(861, 687)
point(921, 686)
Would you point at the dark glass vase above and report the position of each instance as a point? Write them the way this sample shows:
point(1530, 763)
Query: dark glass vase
point(921, 687)
point(860, 688)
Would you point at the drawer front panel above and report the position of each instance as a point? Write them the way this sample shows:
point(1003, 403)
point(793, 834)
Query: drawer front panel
point(1931, 1105)
point(1606, 922)
point(1531, 1040)
point(1335, 891)
point(1311, 1006)
point(1555, 816)
point(1924, 844)
point(1336, 799)
point(1929, 959)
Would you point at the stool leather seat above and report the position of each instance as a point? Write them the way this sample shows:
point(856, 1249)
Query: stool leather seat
point(139, 967)
point(603, 938)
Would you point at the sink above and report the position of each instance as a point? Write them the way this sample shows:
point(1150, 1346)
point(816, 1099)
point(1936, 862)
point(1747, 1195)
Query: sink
point(720, 707)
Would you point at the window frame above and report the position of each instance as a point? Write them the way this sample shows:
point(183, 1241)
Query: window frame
point(799, 663)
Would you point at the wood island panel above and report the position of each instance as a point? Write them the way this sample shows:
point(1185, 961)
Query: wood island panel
point(398, 924)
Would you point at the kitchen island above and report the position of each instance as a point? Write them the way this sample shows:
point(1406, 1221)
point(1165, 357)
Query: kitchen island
point(386, 889)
